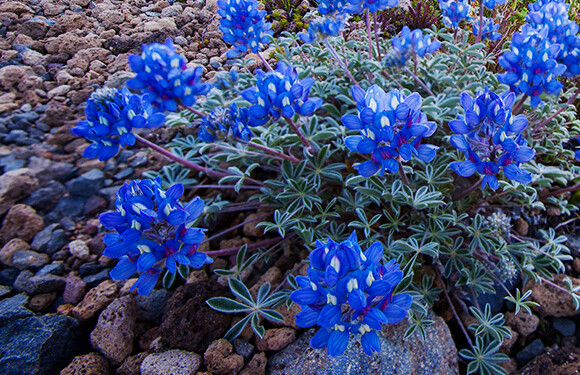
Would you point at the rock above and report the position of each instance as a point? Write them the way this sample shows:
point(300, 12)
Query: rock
point(8, 276)
point(524, 323)
point(159, 24)
point(553, 302)
point(276, 339)
point(436, 355)
point(45, 198)
point(41, 302)
point(188, 322)
point(94, 204)
point(4, 291)
point(288, 315)
point(150, 307)
point(221, 360)
point(21, 222)
point(74, 290)
point(13, 308)
point(29, 259)
point(40, 241)
point(39, 284)
point(250, 229)
point(507, 344)
point(36, 29)
point(88, 364)
point(565, 327)
point(86, 184)
point(58, 91)
point(533, 349)
point(57, 240)
point(257, 366)
point(564, 361)
point(272, 276)
point(52, 269)
point(15, 7)
point(132, 365)
point(79, 249)
point(113, 335)
point(97, 278)
point(16, 185)
point(8, 250)
point(95, 300)
point(243, 348)
point(175, 362)
point(38, 345)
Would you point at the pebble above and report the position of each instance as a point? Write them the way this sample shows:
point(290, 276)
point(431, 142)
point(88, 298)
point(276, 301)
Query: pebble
point(565, 327)
point(40, 241)
point(533, 349)
point(40, 284)
point(79, 249)
point(14, 308)
point(276, 339)
point(41, 302)
point(95, 300)
point(86, 184)
point(8, 250)
point(21, 222)
point(45, 198)
point(127, 172)
point(175, 362)
point(151, 307)
point(29, 259)
point(87, 269)
point(96, 279)
point(92, 363)
point(53, 269)
point(221, 360)
point(243, 348)
point(74, 290)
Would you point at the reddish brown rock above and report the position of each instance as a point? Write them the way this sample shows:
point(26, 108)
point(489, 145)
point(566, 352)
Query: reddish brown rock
point(272, 276)
point(256, 366)
point(113, 335)
point(553, 302)
point(220, 358)
point(41, 302)
point(74, 290)
point(16, 185)
point(276, 339)
point(524, 323)
point(132, 365)
point(88, 364)
point(95, 300)
point(288, 314)
point(21, 222)
point(8, 250)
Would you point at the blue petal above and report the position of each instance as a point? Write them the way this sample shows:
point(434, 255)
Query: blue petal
point(305, 296)
point(175, 191)
point(357, 299)
point(374, 253)
point(124, 269)
point(145, 262)
point(380, 288)
point(367, 168)
point(352, 122)
point(352, 142)
point(307, 317)
point(370, 342)
point(320, 339)
point(337, 342)
point(459, 127)
point(146, 283)
point(110, 220)
point(329, 316)
point(464, 168)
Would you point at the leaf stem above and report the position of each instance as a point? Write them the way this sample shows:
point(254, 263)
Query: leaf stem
point(266, 64)
point(377, 35)
point(518, 107)
point(297, 131)
point(340, 62)
point(418, 80)
point(193, 110)
point(368, 19)
point(269, 150)
point(572, 98)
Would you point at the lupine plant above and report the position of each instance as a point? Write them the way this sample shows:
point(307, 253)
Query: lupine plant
point(424, 168)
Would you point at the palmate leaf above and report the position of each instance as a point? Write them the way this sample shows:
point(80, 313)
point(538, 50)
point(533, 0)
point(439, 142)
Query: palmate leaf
point(237, 328)
point(241, 291)
point(227, 305)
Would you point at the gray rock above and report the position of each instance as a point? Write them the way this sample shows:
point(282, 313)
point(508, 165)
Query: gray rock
point(58, 239)
point(47, 170)
point(436, 355)
point(38, 345)
point(8, 276)
point(70, 206)
point(10, 163)
point(124, 174)
point(13, 308)
point(243, 348)
point(29, 259)
point(40, 241)
point(88, 269)
point(565, 327)
point(4, 291)
point(45, 198)
point(533, 349)
point(94, 280)
point(53, 269)
point(175, 362)
point(39, 284)
point(86, 184)
point(150, 307)
point(22, 280)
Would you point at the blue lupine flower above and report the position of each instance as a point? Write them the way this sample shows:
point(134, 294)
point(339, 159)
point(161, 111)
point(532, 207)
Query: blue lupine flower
point(322, 28)
point(454, 11)
point(534, 7)
point(162, 74)
point(490, 29)
point(488, 131)
point(111, 116)
point(358, 6)
point(561, 31)
point(349, 291)
point(280, 93)
point(410, 43)
point(531, 64)
point(243, 26)
point(392, 128)
point(492, 3)
point(153, 232)
point(225, 123)
point(326, 7)
point(226, 81)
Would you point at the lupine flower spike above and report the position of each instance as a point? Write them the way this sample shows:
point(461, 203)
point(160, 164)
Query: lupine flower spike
point(112, 114)
point(348, 291)
point(454, 11)
point(392, 128)
point(243, 26)
point(489, 29)
point(491, 139)
point(410, 43)
point(224, 124)
point(163, 74)
point(153, 233)
point(322, 28)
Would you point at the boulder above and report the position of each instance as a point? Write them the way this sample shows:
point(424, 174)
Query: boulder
point(175, 362)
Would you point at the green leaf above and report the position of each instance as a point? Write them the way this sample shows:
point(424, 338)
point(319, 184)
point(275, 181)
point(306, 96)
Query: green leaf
point(241, 291)
point(168, 279)
point(227, 305)
point(237, 328)
point(272, 315)
point(256, 326)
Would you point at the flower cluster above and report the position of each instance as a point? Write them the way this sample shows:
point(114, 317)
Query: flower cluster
point(153, 232)
point(387, 122)
point(454, 11)
point(531, 64)
point(243, 26)
point(349, 291)
point(163, 75)
point(490, 29)
point(329, 7)
point(490, 137)
point(410, 43)
point(373, 6)
point(225, 123)
point(322, 28)
point(111, 116)
point(280, 93)
point(561, 31)
point(492, 3)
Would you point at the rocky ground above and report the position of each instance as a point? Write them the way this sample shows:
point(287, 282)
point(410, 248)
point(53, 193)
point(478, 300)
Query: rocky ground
point(60, 312)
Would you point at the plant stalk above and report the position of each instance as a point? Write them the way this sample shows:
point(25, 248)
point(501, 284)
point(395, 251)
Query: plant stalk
point(377, 35)
point(371, 55)
point(266, 64)
point(340, 62)
point(570, 101)
point(418, 80)
point(270, 151)
point(305, 141)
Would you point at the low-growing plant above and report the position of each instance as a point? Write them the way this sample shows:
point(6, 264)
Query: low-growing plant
point(410, 148)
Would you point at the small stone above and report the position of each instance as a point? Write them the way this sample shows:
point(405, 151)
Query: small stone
point(94, 204)
point(89, 364)
point(74, 290)
point(132, 365)
point(576, 265)
point(243, 348)
point(276, 339)
point(14, 308)
point(220, 359)
point(86, 184)
point(273, 276)
point(113, 335)
point(288, 314)
point(150, 307)
point(96, 279)
point(29, 259)
point(535, 348)
point(21, 222)
point(95, 300)
point(124, 174)
point(175, 362)
point(4, 291)
point(41, 284)
point(79, 249)
point(8, 250)
point(552, 301)
point(256, 366)
point(53, 269)
point(45, 198)
point(57, 240)
point(565, 327)
point(40, 241)
point(251, 229)
point(41, 302)
point(16, 185)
